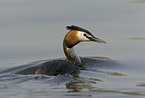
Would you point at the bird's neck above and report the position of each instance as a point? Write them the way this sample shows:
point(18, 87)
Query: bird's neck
point(71, 55)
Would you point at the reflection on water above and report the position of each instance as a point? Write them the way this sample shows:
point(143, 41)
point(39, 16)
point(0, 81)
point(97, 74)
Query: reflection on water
point(87, 87)
point(141, 84)
point(28, 29)
point(67, 85)
point(137, 38)
point(81, 83)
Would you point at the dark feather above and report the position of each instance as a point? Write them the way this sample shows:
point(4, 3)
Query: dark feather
point(56, 67)
point(73, 27)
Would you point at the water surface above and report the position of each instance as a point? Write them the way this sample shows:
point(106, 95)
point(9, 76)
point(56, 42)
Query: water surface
point(31, 32)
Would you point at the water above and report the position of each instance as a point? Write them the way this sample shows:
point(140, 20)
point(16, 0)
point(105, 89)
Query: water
point(31, 32)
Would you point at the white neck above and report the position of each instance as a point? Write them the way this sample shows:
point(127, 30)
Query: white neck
point(71, 56)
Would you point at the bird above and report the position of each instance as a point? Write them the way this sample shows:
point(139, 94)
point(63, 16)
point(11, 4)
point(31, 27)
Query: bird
point(72, 62)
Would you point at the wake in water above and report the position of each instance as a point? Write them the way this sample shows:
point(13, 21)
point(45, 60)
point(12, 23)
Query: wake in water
point(91, 65)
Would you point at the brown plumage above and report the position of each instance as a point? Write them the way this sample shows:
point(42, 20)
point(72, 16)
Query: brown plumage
point(71, 38)
point(73, 62)
point(56, 67)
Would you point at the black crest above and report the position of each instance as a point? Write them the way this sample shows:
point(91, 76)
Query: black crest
point(73, 27)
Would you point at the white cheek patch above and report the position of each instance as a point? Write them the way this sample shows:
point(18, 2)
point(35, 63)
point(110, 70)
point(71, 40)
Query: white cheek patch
point(81, 36)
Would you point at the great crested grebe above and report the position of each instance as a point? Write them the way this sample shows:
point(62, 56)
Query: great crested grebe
point(73, 62)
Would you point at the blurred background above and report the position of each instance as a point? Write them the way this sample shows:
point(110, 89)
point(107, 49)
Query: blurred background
point(32, 30)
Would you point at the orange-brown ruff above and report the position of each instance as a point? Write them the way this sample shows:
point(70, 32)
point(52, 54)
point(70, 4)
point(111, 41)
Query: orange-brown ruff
point(73, 62)
point(71, 38)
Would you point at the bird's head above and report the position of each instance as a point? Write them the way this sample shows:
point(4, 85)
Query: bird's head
point(78, 34)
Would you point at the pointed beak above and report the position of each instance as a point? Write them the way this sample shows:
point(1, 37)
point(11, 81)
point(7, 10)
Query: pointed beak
point(96, 40)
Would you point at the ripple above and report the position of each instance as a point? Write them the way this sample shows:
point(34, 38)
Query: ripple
point(94, 71)
point(136, 38)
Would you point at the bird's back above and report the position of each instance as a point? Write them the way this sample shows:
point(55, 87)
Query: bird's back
point(56, 67)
